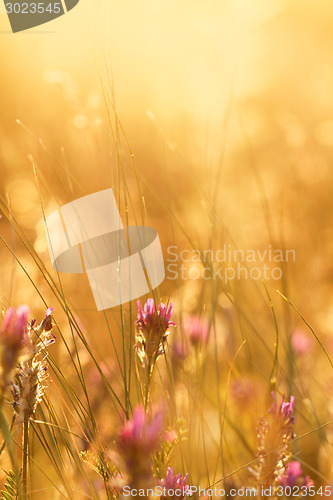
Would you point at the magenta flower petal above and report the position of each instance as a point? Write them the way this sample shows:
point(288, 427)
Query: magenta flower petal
point(138, 422)
point(154, 430)
point(152, 328)
point(293, 476)
point(49, 311)
point(286, 409)
point(140, 434)
point(9, 318)
point(172, 482)
point(22, 318)
point(12, 335)
point(197, 329)
point(15, 324)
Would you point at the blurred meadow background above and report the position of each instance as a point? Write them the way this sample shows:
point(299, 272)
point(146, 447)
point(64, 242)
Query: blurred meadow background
point(213, 123)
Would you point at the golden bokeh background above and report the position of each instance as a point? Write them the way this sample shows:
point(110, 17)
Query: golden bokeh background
point(227, 113)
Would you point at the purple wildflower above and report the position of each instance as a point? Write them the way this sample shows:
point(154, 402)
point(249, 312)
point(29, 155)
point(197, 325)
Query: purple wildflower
point(173, 483)
point(152, 331)
point(285, 410)
point(14, 326)
point(140, 436)
point(274, 434)
point(46, 324)
point(30, 381)
point(137, 441)
point(197, 329)
point(150, 318)
point(293, 476)
point(42, 336)
point(12, 335)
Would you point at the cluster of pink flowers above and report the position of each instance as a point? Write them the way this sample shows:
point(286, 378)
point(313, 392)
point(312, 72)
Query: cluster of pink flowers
point(137, 441)
point(139, 435)
point(284, 414)
point(149, 318)
point(293, 476)
point(172, 483)
point(22, 363)
point(152, 331)
point(14, 325)
point(274, 434)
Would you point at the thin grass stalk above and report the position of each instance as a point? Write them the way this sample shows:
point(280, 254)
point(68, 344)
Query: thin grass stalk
point(7, 435)
point(25, 453)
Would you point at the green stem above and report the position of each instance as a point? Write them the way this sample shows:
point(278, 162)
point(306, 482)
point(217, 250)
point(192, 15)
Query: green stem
point(7, 435)
point(25, 458)
point(148, 379)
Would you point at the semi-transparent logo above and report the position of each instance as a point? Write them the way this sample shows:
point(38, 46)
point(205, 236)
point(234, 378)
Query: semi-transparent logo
point(28, 14)
point(87, 236)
